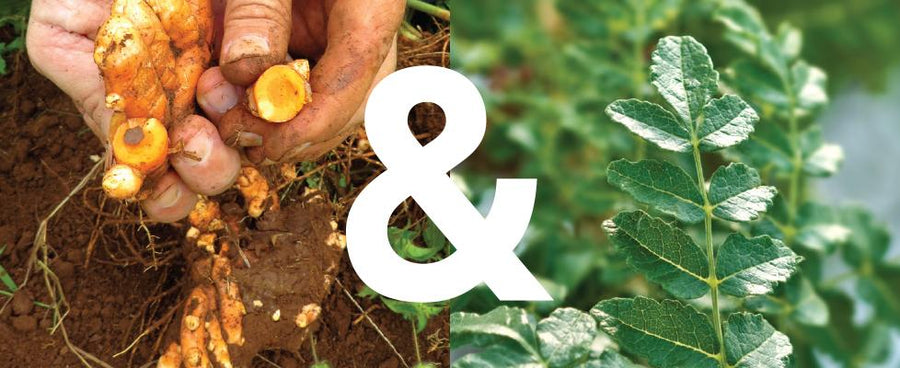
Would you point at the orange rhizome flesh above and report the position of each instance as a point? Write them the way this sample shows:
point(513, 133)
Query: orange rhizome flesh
point(141, 143)
point(280, 92)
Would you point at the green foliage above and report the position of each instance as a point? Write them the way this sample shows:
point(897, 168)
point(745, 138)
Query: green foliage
point(661, 185)
point(417, 313)
point(510, 337)
point(15, 15)
point(5, 278)
point(662, 252)
point(683, 74)
point(550, 69)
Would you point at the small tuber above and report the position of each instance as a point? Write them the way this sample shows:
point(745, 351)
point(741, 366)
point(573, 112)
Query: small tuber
point(255, 190)
point(280, 92)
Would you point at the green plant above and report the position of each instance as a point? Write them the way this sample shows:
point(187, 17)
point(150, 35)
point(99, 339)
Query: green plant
point(6, 279)
point(683, 74)
point(791, 93)
point(548, 68)
point(510, 337)
point(16, 16)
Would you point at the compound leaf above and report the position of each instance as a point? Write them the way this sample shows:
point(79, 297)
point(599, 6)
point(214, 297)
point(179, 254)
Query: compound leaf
point(667, 333)
point(662, 252)
point(565, 336)
point(663, 186)
point(727, 121)
point(753, 266)
point(751, 342)
point(736, 193)
point(651, 122)
point(683, 74)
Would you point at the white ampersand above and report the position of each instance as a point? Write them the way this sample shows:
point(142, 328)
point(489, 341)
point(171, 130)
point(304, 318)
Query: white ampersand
point(484, 245)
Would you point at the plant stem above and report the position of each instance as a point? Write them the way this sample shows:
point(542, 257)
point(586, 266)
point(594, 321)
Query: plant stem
point(430, 9)
point(416, 343)
point(312, 345)
point(713, 280)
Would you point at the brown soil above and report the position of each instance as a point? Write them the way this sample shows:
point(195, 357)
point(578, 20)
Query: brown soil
point(121, 290)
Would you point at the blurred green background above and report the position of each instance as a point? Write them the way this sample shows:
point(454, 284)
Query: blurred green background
point(548, 68)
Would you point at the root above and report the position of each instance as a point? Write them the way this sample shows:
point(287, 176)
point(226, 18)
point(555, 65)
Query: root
point(231, 309)
point(193, 330)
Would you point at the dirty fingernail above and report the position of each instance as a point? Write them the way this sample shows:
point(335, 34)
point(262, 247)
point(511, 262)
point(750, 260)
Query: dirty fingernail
point(247, 139)
point(198, 148)
point(245, 47)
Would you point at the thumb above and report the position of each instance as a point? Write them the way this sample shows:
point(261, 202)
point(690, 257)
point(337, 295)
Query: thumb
point(256, 37)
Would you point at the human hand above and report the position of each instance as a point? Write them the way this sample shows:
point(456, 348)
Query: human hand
point(255, 34)
point(60, 44)
point(352, 44)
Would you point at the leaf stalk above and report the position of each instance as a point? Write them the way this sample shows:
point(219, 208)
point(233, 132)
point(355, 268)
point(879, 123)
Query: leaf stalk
point(713, 280)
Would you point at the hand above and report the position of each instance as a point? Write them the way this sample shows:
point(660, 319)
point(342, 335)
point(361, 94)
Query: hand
point(352, 44)
point(60, 44)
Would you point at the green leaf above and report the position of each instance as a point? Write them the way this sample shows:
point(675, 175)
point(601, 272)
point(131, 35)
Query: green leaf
point(820, 227)
point(753, 266)
point(651, 122)
point(418, 313)
point(683, 74)
point(663, 186)
point(565, 336)
point(798, 300)
point(820, 159)
point(750, 341)
point(667, 333)
point(768, 147)
point(869, 238)
point(662, 252)
point(761, 86)
point(746, 30)
point(498, 357)
point(809, 88)
point(727, 121)
point(736, 194)
point(5, 278)
point(510, 327)
point(433, 237)
point(403, 242)
point(789, 40)
point(608, 359)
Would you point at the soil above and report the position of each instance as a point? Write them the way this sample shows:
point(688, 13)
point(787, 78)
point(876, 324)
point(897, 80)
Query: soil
point(122, 280)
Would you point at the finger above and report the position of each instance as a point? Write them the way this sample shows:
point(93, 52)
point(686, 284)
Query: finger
point(207, 166)
point(59, 46)
point(239, 128)
point(215, 95)
point(171, 199)
point(256, 37)
point(358, 44)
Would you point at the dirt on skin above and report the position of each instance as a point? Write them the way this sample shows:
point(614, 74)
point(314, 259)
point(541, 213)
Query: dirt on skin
point(117, 283)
